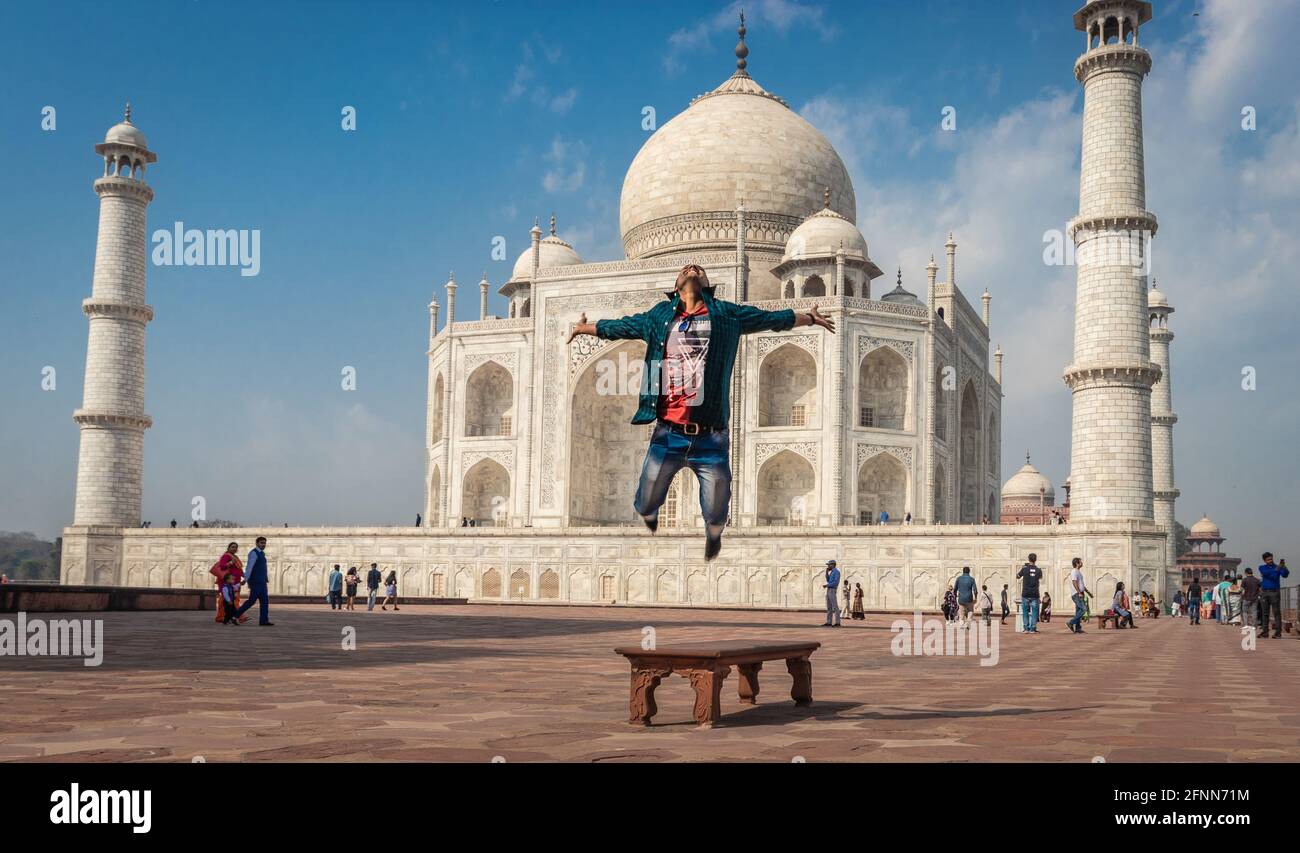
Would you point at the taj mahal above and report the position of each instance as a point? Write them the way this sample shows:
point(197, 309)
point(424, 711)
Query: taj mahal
point(530, 457)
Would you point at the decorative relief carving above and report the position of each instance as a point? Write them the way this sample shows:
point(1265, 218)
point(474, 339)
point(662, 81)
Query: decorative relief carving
point(508, 360)
point(470, 458)
point(806, 449)
point(867, 343)
point(866, 451)
point(812, 343)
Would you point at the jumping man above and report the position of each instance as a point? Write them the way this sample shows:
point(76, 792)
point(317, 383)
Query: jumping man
point(691, 340)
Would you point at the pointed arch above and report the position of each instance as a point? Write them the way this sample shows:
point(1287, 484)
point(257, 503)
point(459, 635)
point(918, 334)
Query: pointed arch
point(787, 490)
point(489, 400)
point(605, 450)
point(787, 388)
point(485, 493)
point(882, 484)
point(883, 389)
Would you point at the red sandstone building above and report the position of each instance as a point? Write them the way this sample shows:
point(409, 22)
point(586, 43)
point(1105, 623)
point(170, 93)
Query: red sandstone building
point(1029, 498)
point(1205, 560)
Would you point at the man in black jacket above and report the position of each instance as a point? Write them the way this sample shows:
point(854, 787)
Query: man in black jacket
point(372, 585)
point(1194, 603)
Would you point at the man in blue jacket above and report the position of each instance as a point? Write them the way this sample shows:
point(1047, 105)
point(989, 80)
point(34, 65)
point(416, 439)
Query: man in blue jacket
point(1270, 595)
point(257, 579)
point(691, 341)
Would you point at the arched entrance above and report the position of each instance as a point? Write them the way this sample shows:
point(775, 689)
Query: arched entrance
point(882, 484)
point(786, 490)
point(485, 496)
point(787, 388)
point(489, 401)
point(882, 390)
point(970, 489)
point(606, 451)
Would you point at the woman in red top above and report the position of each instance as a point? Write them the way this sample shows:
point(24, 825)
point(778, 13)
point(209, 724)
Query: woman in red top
point(229, 564)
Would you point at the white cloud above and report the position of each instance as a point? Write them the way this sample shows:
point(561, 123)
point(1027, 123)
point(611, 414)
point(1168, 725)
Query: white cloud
point(567, 165)
point(779, 16)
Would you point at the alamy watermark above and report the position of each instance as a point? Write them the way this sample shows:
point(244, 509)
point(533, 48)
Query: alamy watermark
point(215, 247)
point(23, 637)
point(940, 638)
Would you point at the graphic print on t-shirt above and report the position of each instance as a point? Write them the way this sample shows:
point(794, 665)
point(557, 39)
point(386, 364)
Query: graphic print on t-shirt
point(683, 369)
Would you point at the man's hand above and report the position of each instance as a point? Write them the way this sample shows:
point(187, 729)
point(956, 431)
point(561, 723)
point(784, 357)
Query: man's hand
point(582, 327)
point(814, 318)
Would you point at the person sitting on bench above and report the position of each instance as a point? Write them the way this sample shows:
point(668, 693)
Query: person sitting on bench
point(1120, 605)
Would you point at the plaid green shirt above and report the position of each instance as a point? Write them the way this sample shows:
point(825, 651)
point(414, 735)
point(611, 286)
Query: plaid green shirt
point(727, 320)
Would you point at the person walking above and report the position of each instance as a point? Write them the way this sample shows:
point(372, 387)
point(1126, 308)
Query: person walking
point(858, 611)
point(691, 341)
point(1030, 574)
point(373, 577)
point(1250, 599)
point(1078, 594)
point(1178, 602)
point(1194, 602)
point(950, 605)
point(832, 597)
point(1270, 595)
point(986, 605)
point(229, 564)
point(848, 598)
point(1120, 604)
point(965, 587)
point(229, 594)
point(390, 591)
point(1006, 610)
point(258, 581)
point(1045, 609)
point(1221, 599)
point(350, 585)
point(335, 596)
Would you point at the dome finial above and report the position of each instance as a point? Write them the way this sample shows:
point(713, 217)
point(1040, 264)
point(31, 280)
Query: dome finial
point(1026, 457)
point(552, 223)
point(900, 276)
point(128, 113)
point(741, 50)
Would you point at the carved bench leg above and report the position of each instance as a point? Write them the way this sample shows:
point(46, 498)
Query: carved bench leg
point(747, 683)
point(801, 670)
point(707, 684)
point(641, 704)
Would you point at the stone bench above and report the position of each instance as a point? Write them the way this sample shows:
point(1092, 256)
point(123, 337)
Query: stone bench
point(1109, 616)
point(706, 665)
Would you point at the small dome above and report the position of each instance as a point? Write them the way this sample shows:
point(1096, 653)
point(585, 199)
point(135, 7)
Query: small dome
point(125, 133)
point(1156, 299)
point(552, 252)
point(1205, 529)
point(1029, 483)
point(824, 233)
point(900, 295)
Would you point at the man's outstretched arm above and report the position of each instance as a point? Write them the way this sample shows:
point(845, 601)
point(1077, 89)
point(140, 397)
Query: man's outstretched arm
point(625, 328)
point(757, 320)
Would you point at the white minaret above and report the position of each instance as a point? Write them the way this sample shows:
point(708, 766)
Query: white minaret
point(1162, 424)
point(1111, 374)
point(112, 417)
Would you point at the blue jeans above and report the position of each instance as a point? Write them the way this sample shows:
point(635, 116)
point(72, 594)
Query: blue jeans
point(370, 598)
point(706, 454)
point(1030, 606)
point(1079, 609)
point(257, 592)
point(1194, 612)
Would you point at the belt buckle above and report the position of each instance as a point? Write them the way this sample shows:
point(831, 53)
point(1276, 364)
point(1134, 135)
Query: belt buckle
point(690, 429)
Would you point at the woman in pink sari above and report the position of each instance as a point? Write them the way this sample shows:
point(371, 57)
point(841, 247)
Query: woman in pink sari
point(229, 564)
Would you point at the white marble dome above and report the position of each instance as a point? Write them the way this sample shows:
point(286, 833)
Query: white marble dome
point(1205, 529)
point(824, 233)
point(1026, 484)
point(125, 133)
point(552, 252)
point(1156, 299)
point(736, 143)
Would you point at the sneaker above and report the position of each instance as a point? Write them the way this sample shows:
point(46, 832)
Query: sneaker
point(651, 523)
point(826, 625)
point(712, 546)
point(265, 624)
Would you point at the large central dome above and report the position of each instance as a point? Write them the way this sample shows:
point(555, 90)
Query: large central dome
point(738, 142)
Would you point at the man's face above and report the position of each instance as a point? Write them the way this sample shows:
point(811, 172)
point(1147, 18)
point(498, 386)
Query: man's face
point(691, 280)
point(261, 543)
point(1268, 560)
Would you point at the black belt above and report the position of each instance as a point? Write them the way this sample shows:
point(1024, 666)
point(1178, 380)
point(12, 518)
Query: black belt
point(690, 429)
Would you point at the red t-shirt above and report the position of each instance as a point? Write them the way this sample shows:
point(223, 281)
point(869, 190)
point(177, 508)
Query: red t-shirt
point(682, 379)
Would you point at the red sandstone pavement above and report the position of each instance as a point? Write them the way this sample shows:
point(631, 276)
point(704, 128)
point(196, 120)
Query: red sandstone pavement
point(528, 683)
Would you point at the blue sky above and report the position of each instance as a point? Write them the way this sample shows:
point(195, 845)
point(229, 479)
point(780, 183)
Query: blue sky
point(474, 118)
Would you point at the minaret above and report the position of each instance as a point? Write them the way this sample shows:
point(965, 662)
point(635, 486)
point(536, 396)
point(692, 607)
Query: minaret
point(933, 412)
point(482, 296)
point(449, 398)
point(1112, 374)
point(1162, 423)
point(112, 417)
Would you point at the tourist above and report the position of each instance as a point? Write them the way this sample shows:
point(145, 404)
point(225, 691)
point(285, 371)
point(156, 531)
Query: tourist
point(684, 333)
point(965, 588)
point(390, 591)
point(1250, 599)
point(848, 595)
point(907, 519)
point(1030, 574)
point(373, 578)
point(858, 611)
point(257, 579)
point(229, 593)
point(884, 516)
point(418, 519)
point(950, 605)
point(986, 605)
point(335, 596)
point(1045, 609)
point(1079, 595)
point(1194, 602)
point(1234, 602)
point(1120, 604)
point(1006, 611)
point(229, 564)
point(173, 524)
point(1221, 598)
point(832, 599)
point(350, 584)
point(1270, 595)
point(1178, 602)
point(464, 522)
